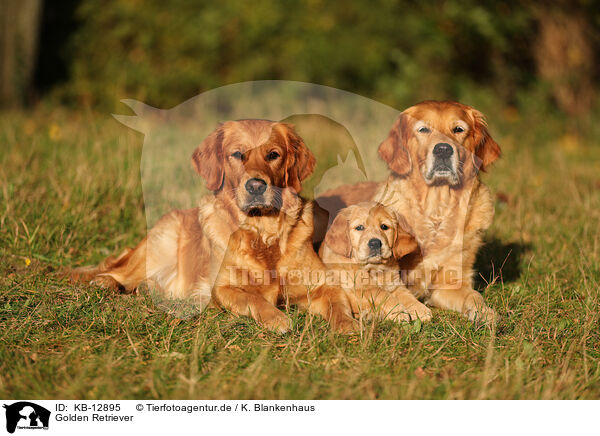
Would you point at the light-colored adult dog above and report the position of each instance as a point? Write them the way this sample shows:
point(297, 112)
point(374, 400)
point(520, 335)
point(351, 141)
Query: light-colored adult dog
point(248, 247)
point(435, 152)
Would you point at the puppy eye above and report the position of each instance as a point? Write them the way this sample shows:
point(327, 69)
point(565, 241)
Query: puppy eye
point(458, 129)
point(237, 155)
point(360, 228)
point(384, 227)
point(423, 130)
point(272, 155)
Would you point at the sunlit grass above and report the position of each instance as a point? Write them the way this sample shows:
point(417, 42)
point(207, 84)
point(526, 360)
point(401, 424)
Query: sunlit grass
point(70, 193)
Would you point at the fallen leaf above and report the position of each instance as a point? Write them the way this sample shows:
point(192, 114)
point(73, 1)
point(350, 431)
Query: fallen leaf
point(54, 132)
point(502, 197)
point(420, 373)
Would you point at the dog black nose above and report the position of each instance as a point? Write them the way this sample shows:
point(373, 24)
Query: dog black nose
point(256, 186)
point(374, 244)
point(443, 150)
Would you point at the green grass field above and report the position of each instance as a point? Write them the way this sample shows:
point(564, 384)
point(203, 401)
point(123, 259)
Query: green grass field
point(70, 194)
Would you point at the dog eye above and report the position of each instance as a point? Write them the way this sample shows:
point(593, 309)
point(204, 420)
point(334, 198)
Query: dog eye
point(458, 129)
point(384, 227)
point(423, 130)
point(360, 228)
point(237, 155)
point(272, 155)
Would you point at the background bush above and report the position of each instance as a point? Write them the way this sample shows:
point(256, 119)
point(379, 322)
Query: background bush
point(397, 51)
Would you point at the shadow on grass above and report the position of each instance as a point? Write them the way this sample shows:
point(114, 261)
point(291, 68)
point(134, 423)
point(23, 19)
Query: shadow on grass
point(499, 260)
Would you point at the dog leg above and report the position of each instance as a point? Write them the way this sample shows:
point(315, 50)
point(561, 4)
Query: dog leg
point(377, 302)
point(241, 302)
point(464, 300)
point(124, 272)
point(398, 305)
point(413, 307)
point(329, 302)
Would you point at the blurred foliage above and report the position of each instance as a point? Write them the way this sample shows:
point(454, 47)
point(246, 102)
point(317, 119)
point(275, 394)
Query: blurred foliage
point(397, 51)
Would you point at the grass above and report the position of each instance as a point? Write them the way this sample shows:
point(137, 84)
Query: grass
point(70, 193)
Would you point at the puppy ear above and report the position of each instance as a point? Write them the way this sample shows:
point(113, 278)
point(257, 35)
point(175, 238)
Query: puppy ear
point(394, 149)
point(207, 159)
point(337, 237)
point(486, 149)
point(300, 160)
point(404, 243)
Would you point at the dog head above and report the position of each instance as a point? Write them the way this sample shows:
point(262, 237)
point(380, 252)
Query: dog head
point(444, 141)
point(254, 160)
point(370, 234)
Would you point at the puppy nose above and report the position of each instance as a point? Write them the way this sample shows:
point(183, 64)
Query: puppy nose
point(374, 244)
point(443, 150)
point(256, 186)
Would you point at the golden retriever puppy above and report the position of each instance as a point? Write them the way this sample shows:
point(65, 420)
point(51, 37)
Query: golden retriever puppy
point(435, 152)
point(248, 247)
point(364, 245)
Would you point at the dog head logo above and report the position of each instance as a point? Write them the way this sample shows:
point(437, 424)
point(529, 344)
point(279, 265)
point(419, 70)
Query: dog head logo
point(329, 121)
point(26, 415)
point(346, 172)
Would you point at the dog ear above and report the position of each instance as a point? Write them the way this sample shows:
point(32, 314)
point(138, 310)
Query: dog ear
point(207, 159)
point(486, 149)
point(404, 242)
point(300, 160)
point(337, 237)
point(394, 149)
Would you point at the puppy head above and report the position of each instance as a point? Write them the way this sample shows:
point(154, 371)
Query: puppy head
point(254, 160)
point(444, 141)
point(370, 234)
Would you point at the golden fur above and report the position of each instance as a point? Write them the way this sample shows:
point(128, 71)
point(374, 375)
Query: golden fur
point(367, 240)
point(246, 245)
point(435, 151)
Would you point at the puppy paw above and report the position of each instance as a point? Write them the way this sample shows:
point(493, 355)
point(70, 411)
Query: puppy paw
point(347, 327)
point(344, 324)
point(419, 311)
point(398, 316)
point(277, 321)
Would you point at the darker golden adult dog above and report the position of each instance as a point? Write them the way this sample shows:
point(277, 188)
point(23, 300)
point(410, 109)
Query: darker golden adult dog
point(368, 240)
point(435, 152)
point(246, 248)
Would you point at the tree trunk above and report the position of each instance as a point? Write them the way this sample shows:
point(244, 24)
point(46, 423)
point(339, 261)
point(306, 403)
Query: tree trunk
point(564, 56)
point(19, 26)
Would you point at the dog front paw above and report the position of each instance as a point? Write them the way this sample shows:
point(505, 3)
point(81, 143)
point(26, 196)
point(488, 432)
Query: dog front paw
point(419, 311)
point(344, 324)
point(277, 321)
point(398, 316)
point(477, 311)
point(482, 314)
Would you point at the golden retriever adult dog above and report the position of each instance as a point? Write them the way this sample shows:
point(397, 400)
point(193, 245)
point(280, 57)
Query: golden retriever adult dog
point(367, 240)
point(248, 247)
point(435, 151)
